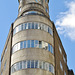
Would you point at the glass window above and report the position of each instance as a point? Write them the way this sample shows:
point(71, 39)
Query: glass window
point(19, 28)
point(48, 47)
point(50, 67)
point(60, 50)
point(26, 26)
point(36, 64)
point(18, 48)
point(47, 66)
point(32, 43)
point(40, 64)
point(36, 43)
point(29, 24)
point(28, 43)
point(51, 49)
point(23, 64)
point(42, 26)
point(43, 65)
point(20, 65)
point(21, 45)
point(61, 66)
point(20, 9)
point(40, 44)
point(36, 25)
point(14, 68)
point(32, 63)
point(32, 25)
point(28, 64)
point(25, 44)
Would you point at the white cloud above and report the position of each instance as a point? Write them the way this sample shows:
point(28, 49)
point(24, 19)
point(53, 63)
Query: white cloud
point(66, 22)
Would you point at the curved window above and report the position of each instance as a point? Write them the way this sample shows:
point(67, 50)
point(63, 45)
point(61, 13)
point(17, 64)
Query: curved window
point(32, 64)
point(32, 12)
point(33, 25)
point(32, 44)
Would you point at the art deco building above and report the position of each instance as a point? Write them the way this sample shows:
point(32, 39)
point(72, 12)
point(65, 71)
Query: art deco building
point(33, 46)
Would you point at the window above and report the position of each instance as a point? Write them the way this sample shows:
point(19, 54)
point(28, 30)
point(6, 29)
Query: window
point(28, 43)
point(32, 43)
point(36, 63)
point(64, 59)
point(28, 64)
point(60, 50)
point(33, 25)
point(32, 64)
point(61, 66)
point(20, 9)
point(40, 44)
point(64, 73)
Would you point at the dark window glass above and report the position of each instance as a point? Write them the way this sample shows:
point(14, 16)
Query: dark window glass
point(25, 25)
point(24, 44)
point(28, 43)
point(28, 64)
point(28, 25)
point(49, 67)
point(32, 64)
point(48, 47)
point(36, 26)
point(40, 44)
point(32, 25)
point(36, 64)
point(32, 43)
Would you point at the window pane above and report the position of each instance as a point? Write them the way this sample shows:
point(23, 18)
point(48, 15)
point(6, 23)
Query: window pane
point(36, 25)
point(36, 43)
point(32, 25)
point(21, 45)
point(28, 64)
point(50, 67)
point(28, 25)
point(32, 64)
point(23, 64)
point(40, 44)
point(48, 47)
point(43, 65)
point(28, 43)
point(20, 65)
point(40, 64)
point(32, 43)
point(25, 44)
point(36, 64)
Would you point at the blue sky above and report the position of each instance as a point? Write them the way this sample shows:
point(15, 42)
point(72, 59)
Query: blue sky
point(62, 12)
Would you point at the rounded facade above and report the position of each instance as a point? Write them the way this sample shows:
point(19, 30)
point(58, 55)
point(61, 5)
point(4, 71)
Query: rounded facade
point(32, 43)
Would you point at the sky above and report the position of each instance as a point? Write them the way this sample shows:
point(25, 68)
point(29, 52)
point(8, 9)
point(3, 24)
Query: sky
point(62, 13)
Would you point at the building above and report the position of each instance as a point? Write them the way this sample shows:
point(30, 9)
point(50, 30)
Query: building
point(33, 46)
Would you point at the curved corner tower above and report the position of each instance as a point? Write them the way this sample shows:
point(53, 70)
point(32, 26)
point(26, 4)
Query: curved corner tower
point(32, 43)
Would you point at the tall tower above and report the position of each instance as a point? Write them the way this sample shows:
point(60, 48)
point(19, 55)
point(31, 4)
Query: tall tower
point(32, 42)
point(33, 46)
